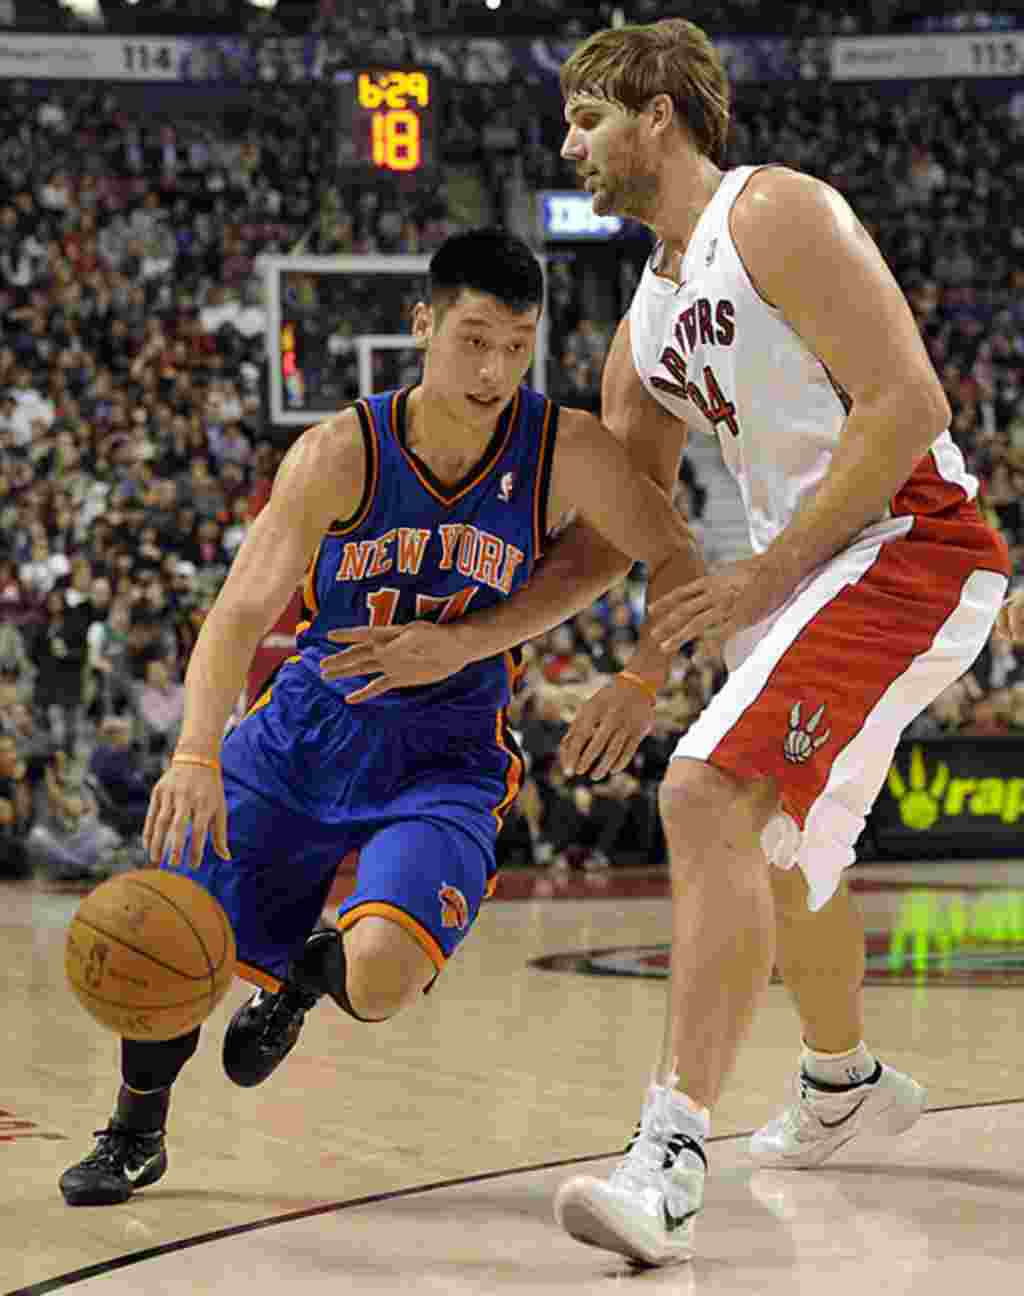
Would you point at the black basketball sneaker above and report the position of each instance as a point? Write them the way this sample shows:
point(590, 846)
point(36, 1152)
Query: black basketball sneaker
point(121, 1162)
point(266, 1028)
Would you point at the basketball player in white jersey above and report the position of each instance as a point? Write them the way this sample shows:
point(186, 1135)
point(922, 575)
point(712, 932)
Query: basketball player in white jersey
point(767, 318)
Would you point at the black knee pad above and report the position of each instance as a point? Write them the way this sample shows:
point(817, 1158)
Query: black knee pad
point(146, 1066)
point(322, 965)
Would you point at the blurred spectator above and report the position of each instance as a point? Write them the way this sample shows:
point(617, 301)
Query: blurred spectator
point(67, 841)
point(40, 574)
point(16, 667)
point(234, 534)
point(543, 725)
point(121, 786)
point(107, 643)
point(161, 709)
point(15, 603)
point(15, 810)
point(60, 652)
point(229, 444)
point(202, 490)
point(950, 711)
point(35, 745)
point(990, 717)
point(77, 587)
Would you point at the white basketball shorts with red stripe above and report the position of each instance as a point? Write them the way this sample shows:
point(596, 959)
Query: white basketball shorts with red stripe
point(819, 694)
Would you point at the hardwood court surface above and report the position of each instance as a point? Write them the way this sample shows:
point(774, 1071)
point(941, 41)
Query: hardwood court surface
point(421, 1156)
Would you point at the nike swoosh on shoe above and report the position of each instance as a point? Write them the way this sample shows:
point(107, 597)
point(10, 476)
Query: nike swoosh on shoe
point(673, 1222)
point(134, 1175)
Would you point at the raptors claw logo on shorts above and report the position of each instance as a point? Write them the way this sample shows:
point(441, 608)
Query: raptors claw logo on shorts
point(801, 744)
point(454, 909)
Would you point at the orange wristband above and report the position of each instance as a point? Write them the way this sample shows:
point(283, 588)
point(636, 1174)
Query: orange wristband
point(650, 689)
point(187, 758)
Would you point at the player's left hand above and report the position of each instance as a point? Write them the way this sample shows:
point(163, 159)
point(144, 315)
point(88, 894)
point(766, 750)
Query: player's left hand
point(607, 730)
point(723, 602)
point(399, 656)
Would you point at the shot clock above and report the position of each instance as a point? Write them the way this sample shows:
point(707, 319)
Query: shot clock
point(387, 118)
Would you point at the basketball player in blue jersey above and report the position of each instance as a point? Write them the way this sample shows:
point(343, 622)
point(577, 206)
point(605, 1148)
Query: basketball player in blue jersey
point(414, 504)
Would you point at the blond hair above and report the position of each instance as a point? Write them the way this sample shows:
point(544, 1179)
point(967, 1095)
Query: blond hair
point(630, 65)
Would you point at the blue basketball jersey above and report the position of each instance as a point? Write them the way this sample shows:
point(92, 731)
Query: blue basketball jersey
point(418, 549)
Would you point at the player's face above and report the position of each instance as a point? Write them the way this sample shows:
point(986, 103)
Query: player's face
point(478, 352)
point(611, 157)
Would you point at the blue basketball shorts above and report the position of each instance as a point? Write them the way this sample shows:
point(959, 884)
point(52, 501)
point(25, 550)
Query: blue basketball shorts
point(308, 780)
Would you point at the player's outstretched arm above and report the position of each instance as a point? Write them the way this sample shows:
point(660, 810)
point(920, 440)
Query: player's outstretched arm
point(593, 475)
point(320, 479)
point(577, 568)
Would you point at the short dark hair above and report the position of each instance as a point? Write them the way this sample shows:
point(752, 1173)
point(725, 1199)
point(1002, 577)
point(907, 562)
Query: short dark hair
point(488, 260)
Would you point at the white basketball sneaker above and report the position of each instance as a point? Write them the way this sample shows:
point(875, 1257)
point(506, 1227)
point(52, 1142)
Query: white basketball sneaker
point(825, 1117)
point(645, 1209)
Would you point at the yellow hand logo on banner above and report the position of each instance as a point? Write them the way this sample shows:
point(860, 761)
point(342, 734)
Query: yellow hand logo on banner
point(920, 804)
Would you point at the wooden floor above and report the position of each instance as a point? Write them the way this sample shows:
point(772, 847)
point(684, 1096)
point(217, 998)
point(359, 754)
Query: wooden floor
point(421, 1156)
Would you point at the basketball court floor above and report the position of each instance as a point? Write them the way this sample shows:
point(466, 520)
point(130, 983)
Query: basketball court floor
point(421, 1156)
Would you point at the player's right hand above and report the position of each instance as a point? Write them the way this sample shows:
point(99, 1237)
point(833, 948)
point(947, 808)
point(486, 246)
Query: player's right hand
point(419, 652)
point(1010, 622)
point(186, 797)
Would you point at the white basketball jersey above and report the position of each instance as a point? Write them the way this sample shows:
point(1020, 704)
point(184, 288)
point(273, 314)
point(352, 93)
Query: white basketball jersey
point(714, 353)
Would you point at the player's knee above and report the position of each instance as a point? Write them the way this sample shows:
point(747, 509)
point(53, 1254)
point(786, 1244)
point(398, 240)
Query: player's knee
point(697, 798)
point(387, 968)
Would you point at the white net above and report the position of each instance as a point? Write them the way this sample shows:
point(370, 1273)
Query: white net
point(338, 329)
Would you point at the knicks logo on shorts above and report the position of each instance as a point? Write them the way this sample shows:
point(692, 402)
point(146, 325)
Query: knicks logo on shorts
point(454, 909)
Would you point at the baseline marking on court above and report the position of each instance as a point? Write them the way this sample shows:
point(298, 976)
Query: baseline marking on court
point(334, 1208)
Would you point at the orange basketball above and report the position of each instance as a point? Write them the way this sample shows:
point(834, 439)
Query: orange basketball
point(150, 954)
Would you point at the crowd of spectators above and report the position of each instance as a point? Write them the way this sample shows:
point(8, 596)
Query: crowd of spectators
point(532, 17)
point(133, 435)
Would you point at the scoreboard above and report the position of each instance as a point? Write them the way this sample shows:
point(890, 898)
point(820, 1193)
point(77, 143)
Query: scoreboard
point(388, 119)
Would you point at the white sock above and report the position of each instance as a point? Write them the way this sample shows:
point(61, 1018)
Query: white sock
point(687, 1116)
point(850, 1068)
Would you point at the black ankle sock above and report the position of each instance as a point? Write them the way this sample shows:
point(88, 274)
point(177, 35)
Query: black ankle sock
point(142, 1113)
point(147, 1066)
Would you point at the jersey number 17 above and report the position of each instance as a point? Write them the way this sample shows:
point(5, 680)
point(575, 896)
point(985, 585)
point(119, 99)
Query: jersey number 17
point(383, 605)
